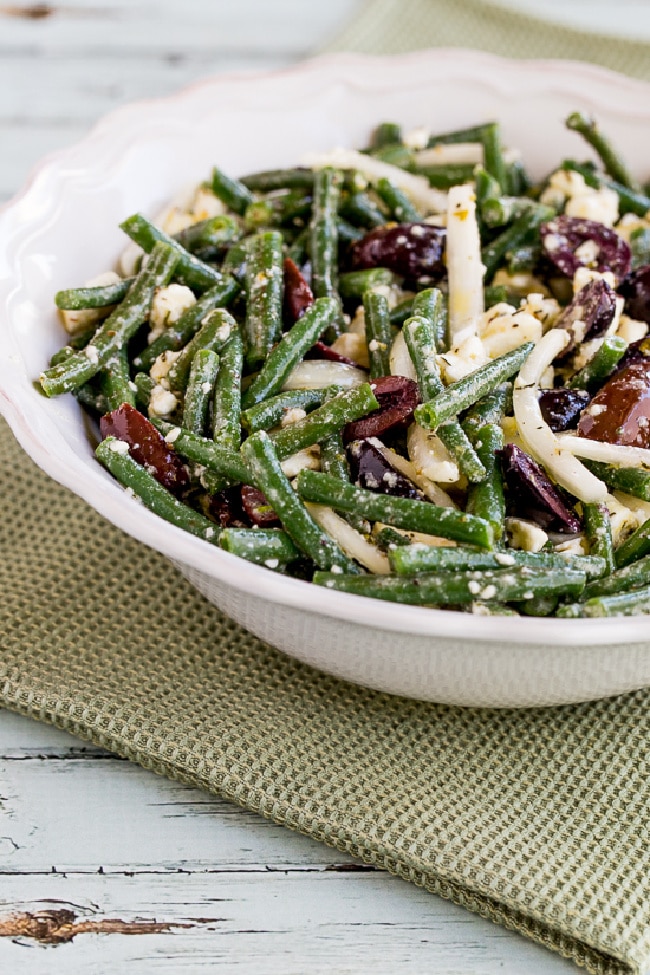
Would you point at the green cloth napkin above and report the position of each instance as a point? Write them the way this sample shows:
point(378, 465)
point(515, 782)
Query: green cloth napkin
point(395, 26)
point(537, 819)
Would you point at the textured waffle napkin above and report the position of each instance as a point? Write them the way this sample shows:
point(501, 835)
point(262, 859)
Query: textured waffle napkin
point(395, 26)
point(537, 819)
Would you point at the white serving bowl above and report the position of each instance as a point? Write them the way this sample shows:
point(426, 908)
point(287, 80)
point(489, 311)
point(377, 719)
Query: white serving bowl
point(63, 229)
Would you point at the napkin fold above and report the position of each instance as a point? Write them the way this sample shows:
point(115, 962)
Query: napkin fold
point(537, 819)
point(396, 26)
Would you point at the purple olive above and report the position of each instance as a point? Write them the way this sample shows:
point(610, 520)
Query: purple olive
point(561, 408)
point(413, 250)
point(562, 240)
point(397, 397)
point(533, 495)
point(589, 314)
point(147, 445)
point(320, 350)
point(620, 410)
point(256, 506)
point(635, 288)
point(370, 469)
point(226, 509)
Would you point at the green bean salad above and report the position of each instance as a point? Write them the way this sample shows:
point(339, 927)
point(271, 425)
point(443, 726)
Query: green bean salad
point(405, 372)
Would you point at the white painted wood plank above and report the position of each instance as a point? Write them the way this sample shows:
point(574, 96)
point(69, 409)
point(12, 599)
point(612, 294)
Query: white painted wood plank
point(293, 923)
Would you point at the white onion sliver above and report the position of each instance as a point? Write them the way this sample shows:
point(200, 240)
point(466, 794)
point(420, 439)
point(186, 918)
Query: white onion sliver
point(548, 347)
point(453, 154)
point(401, 363)
point(429, 488)
point(351, 541)
point(464, 264)
point(608, 453)
point(319, 373)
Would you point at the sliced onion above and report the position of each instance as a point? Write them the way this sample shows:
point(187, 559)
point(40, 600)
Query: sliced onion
point(607, 453)
point(350, 540)
point(320, 373)
point(464, 264)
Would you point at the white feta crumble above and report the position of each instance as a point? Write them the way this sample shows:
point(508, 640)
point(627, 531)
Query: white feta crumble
point(92, 353)
point(209, 533)
point(206, 387)
point(173, 435)
point(119, 446)
point(292, 415)
point(168, 305)
point(474, 587)
point(162, 364)
point(489, 592)
point(162, 402)
point(504, 558)
point(525, 535)
point(337, 570)
point(271, 563)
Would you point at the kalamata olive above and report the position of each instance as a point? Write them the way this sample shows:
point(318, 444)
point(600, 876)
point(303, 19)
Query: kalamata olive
point(320, 350)
point(147, 445)
point(533, 495)
point(397, 397)
point(561, 408)
point(589, 314)
point(297, 293)
point(256, 506)
point(370, 469)
point(635, 288)
point(620, 411)
point(226, 509)
point(413, 250)
point(571, 242)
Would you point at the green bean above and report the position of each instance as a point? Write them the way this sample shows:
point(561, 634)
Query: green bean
point(458, 588)
point(396, 155)
point(208, 238)
point(419, 334)
point(401, 312)
point(635, 547)
point(231, 191)
point(494, 252)
point(264, 296)
point(270, 411)
point(279, 179)
point(421, 516)
point(203, 372)
point(189, 270)
point(517, 181)
point(260, 457)
point(386, 134)
point(153, 495)
point(179, 333)
point(485, 499)
point(622, 604)
point(523, 259)
point(324, 234)
point(498, 211)
point(65, 352)
point(598, 532)
point(353, 284)
point(217, 327)
point(493, 154)
point(488, 410)
point(226, 410)
point(397, 202)
point(203, 451)
point(116, 330)
point(79, 299)
point(601, 365)
point(235, 261)
point(640, 247)
point(612, 162)
point(431, 558)
point(324, 421)
point(290, 350)
point(460, 395)
point(442, 177)
point(630, 480)
point(89, 397)
point(632, 576)
point(346, 233)
point(144, 386)
point(378, 333)
point(270, 547)
point(387, 538)
point(431, 304)
point(486, 187)
point(360, 210)
point(115, 382)
point(473, 133)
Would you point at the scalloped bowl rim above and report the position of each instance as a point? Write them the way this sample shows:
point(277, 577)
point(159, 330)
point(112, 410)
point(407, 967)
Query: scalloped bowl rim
point(56, 458)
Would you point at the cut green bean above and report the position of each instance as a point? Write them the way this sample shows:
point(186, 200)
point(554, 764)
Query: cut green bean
point(324, 421)
point(633, 576)
point(431, 304)
point(432, 558)
point(353, 284)
point(472, 133)
point(465, 392)
point(206, 452)
point(116, 330)
point(260, 457)
point(378, 333)
point(226, 411)
point(208, 238)
point(231, 191)
point(80, 299)
point(458, 588)
point(360, 210)
point(501, 210)
point(598, 532)
point(611, 160)
point(217, 327)
point(112, 455)
point(144, 387)
point(445, 176)
point(601, 365)
point(270, 547)
point(386, 134)
point(397, 202)
point(264, 296)
point(202, 375)
point(630, 480)
point(421, 516)
point(179, 333)
point(324, 234)
point(189, 270)
point(622, 604)
point(91, 399)
point(511, 238)
point(635, 547)
point(279, 179)
point(401, 312)
point(485, 499)
point(115, 382)
point(270, 411)
point(290, 350)
point(493, 154)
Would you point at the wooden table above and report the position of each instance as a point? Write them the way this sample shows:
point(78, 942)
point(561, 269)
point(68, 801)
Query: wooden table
point(95, 848)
